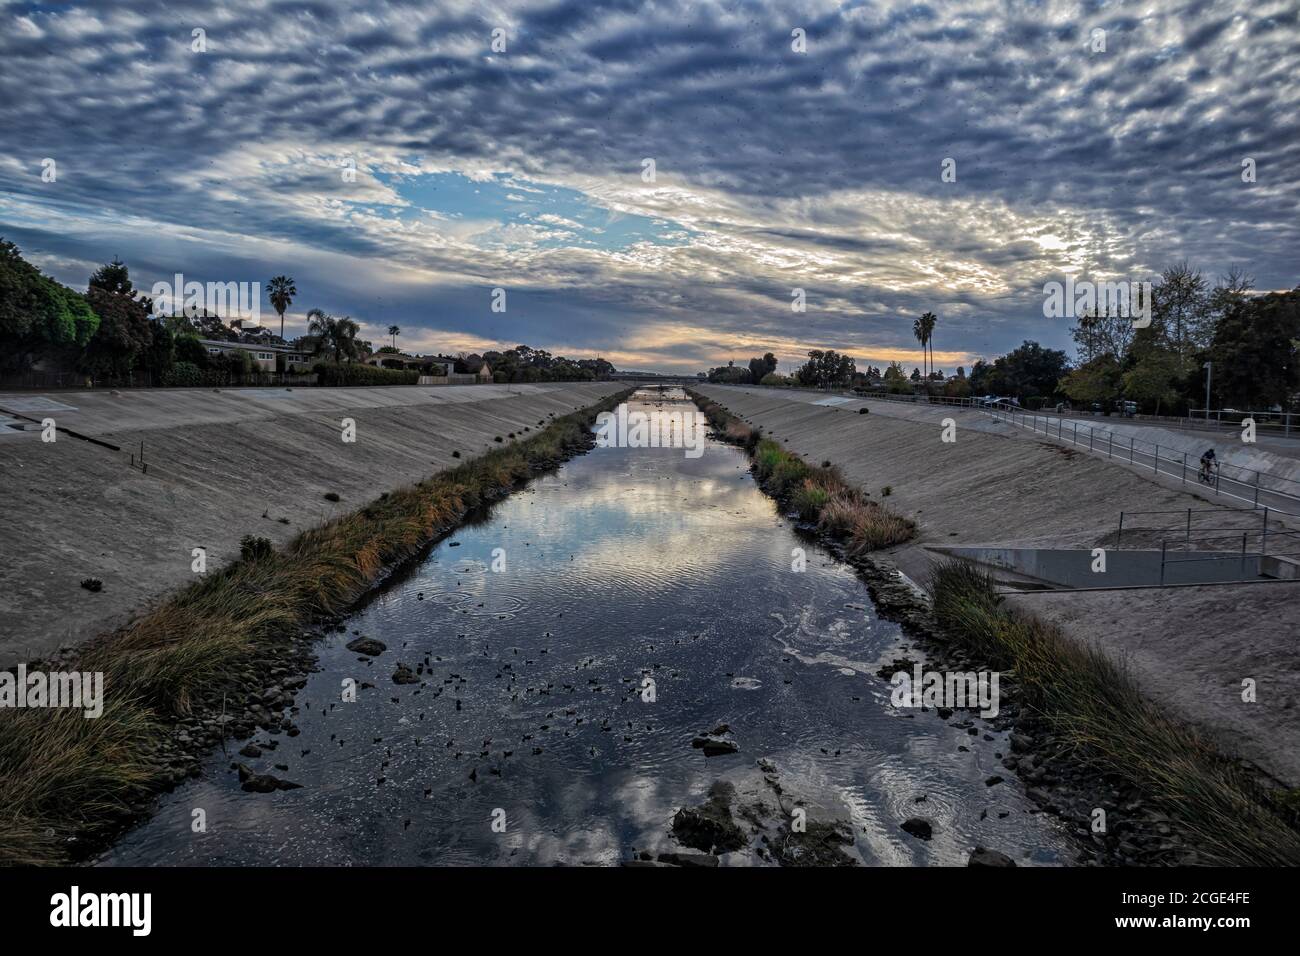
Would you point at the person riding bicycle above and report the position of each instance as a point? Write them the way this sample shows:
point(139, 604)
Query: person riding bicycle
point(1208, 463)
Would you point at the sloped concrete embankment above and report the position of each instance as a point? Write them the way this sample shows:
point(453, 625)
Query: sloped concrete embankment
point(221, 464)
point(1191, 648)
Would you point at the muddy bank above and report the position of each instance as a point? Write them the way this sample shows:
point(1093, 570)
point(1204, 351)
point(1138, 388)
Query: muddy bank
point(223, 658)
point(1056, 776)
point(1190, 647)
point(221, 464)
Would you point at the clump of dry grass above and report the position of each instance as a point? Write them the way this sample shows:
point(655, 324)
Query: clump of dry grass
point(1095, 705)
point(866, 525)
point(61, 773)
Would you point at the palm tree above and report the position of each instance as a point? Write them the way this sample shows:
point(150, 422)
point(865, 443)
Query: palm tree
point(394, 331)
point(338, 336)
point(918, 330)
point(281, 291)
point(928, 321)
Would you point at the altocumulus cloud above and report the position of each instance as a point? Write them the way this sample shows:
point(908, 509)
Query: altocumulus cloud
point(775, 169)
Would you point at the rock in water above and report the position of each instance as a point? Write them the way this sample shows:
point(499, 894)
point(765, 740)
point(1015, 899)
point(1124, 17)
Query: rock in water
point(710, 827)
point(404, 675)
point(918, 827)
point(252, 782)
point(983, 857)
point(688, 859)
point(367, 645)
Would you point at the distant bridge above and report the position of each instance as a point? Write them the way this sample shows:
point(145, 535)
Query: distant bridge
point(648, 381)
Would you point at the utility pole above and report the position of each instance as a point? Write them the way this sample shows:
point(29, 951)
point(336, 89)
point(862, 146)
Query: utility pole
point(1209, 371)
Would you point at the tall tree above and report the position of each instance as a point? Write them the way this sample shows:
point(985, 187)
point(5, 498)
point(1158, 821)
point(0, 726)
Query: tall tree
point(1256, 364)
point(918, 330)
point(113, 277)
point(38, 316)
point(281, 291)
point(333, 335)
point(394, 331)
point(928, 321)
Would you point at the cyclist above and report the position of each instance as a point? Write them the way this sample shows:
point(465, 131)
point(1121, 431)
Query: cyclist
point(1208, 464)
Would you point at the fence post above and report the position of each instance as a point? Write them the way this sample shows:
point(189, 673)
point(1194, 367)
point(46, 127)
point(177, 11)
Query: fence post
point(1120, 535)
point(1243, 553)
point(1162, 563)
point(1184, 467)
point(1257, 489)
point(1187, 544)
point(1110, 442)
point(1155, 461)
point(1263, 538)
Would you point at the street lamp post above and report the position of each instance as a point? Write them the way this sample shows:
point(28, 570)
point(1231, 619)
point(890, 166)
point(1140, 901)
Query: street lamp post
point(1208, 372)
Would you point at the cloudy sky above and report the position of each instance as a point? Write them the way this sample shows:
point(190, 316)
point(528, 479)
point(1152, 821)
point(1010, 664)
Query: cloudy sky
point(775, 168)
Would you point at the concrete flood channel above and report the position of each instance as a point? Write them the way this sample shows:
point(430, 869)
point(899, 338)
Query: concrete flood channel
point(516, 731)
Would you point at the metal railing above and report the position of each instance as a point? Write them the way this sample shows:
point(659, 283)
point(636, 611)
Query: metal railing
point(1260, 489)
point(1274, 423)
point(1252, 521)
point(1202, 544)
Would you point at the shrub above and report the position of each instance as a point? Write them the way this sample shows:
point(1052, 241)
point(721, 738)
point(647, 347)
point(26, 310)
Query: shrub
point(183, 374)
point(809, 499)
point(354, 373)
point(788, 474)
point(253, 548)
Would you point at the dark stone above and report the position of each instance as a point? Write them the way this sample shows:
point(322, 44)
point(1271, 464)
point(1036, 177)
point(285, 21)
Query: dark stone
point(688, 859)
point(918, 827)
point(710, 827)
point(982, 857)
point(404, 675)
point(252, 782)
point(367, 645)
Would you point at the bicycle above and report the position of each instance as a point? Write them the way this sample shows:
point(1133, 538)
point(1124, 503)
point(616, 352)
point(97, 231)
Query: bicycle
point(1207, 472)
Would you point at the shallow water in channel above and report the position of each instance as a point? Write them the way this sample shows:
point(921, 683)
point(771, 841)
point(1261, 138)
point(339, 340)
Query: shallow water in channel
point(626, 561)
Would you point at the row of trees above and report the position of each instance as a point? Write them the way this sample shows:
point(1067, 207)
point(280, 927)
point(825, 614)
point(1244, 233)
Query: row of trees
point(1250, 340)
point(109, 333)
point(525, 364)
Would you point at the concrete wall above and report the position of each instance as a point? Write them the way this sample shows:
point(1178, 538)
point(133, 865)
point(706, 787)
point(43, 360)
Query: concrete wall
point(222, 464)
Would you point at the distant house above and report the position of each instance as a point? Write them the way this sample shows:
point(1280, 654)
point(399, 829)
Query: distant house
point(416, 363)
point(263, 356)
